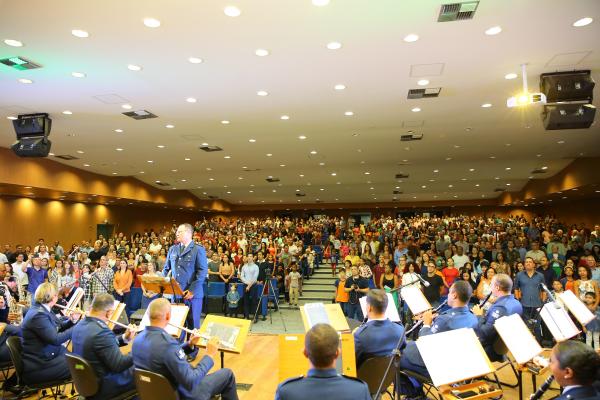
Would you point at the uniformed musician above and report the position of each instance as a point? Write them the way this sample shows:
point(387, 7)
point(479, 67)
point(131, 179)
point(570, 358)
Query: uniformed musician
point(98, 345)
point(456, 317)
point(379, 336)
point(156, 351)
point(575, 366)
point(505, 304)
point(43, 337)
point(187, 264)
point(322, 382)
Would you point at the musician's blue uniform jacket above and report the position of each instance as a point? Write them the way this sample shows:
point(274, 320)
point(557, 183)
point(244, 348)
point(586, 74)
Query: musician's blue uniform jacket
point(9, 330)
point(189, 267)
point(98, 345)
point(43, 352)
point(323, 384)
point(503, 306)
point(377, 338)
point(580, 393)
point(156, 351)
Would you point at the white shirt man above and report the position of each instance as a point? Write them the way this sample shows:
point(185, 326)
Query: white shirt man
point(17, 267)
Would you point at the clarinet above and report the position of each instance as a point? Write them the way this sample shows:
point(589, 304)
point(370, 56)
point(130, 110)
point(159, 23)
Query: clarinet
point(420, 322)
point(542, 389)
point(482, 303)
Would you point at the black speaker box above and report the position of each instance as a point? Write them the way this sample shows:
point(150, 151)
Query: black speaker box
point(568, 116)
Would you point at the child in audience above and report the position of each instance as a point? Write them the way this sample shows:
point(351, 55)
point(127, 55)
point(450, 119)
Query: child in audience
point(233, 298)
point(295, 285)
point(557, 287)
point(335, 257)
point(341, 296)
point(592, 329)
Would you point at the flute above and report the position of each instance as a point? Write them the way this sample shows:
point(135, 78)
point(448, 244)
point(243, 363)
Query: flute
point(74, 310)
point(542, 389)
point(117, 323)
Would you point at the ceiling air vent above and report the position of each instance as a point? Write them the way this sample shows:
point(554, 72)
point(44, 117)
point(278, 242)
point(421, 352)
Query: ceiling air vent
point(163, 184)
point(458, 11)
point(423, 93)
point(401, 176)
point(140, 114)
point(251, 169)
point(411, 137)
point(272, 179)
point(210, 149)
point(19, 63)
point(300, 194)
point(67, 157)
point(538, 171)
point(499, 190)
point(213, 197)
point(398, 192)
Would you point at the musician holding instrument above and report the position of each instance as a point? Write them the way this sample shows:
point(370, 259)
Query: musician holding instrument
point(457, 317)
point(43, 337)
point(575, 366)
point(97, 344)
point(505, 304)
point(156, 351)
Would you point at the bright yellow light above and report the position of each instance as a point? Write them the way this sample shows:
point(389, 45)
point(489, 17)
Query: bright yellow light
point(523, 99)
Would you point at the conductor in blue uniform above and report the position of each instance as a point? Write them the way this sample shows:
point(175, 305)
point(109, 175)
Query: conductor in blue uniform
point(98, 345)
point(322, 382)
point(156, 351)
point(505, 305)
point(187, 264)
point(379, 336)
point(456, 317)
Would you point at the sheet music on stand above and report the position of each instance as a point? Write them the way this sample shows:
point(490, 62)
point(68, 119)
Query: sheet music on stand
point(227, 334)
point(558, 322)
point(517, 338)
point(415, 299)
point(436, 352)
point(178, 316)
point(391, 311)
point(76, 298)
point(576, 306)
point(316, 314)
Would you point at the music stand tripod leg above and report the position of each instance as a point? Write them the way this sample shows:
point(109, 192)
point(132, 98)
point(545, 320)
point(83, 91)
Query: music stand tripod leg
point(269, 311)
point(222, 359)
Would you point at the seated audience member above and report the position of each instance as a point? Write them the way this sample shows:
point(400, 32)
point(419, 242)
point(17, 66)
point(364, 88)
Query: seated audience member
point(156, 351)
point(322, 348)
point(43, 337)
point(379, 336)
point(576, 367)
point(505, 304)
point(97, 344)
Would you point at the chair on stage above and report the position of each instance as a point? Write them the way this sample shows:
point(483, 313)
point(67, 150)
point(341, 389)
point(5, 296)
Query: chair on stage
point(5, 368)
point(501, 349)
point(15, 348)
point(152, 386)
point(85, 379)
point(371, 372)
point(428, 387)
point(215, 297)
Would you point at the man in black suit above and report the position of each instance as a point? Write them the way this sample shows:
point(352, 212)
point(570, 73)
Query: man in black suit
point(98, 345)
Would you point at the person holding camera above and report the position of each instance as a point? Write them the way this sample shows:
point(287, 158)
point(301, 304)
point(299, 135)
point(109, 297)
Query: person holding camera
point(356, 286)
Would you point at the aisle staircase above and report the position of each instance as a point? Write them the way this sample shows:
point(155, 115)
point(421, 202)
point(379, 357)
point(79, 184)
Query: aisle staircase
point(319, 288)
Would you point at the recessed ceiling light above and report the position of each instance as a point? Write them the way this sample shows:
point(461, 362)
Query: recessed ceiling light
point(423, 82)
point(211, 179)
point(133, 67)
point(80, 151)
point(67, 112)
point(301, 175)
point(187, 159)
point(173, 170)
point(411, 38)
point(320, 3)
point(463, 179)
point(302, 137)
point(313, 152)
point(493, 157)
point(583, 22)
point(252, 140)
point(204, 144)
point(195, 60)
point(269, 154)
point(227, 157)
point(150, 161)
point(191, 100)
point(349, 113)
point(13, 43)
point(448, 158)
point(284, 117)
point(486, 105)
point(77, 74)
point(432, 180)
point(262, 93)
point(126, 106)
point(282, 165)
point(435, 171)
point(560, 142)
point(508, 184)
point(544, 167)
point(497, 178)
point(477, 185)
point(25, 81)
point(450, 185)
point(367, 173)
point(494, 30)
point(86, 165)
point(114, 173)
point(333, 174)
point(321, 164)
point(119, 149)
point(508, 168)
point(79, 33)
point(151, 22)
point(184, 180)
point(232, 11)
point(161, 146)
point(11, 117)
point(225, 122)
point(512, 75)
point(334, 45)
point(262, 52)
point(169, 126)
point(471, 169)
point(339, 87)
point(416, 109)
point(157, 181)
point(119, 130)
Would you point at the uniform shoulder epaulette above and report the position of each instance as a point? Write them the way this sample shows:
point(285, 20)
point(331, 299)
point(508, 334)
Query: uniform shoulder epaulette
point(101, 323)
point(294, 379)
point(353, 378)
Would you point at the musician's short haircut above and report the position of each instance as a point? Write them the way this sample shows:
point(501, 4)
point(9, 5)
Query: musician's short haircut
point(504, 282)
point(321, 344)
point(188, 227)
point(463, 291)
point(103, 302)
point(581, 358)
point(45, 292)
point(159, 308)
point(377, 299)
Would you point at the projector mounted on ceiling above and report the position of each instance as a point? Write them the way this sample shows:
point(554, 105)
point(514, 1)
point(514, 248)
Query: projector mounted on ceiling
point(525, 98)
